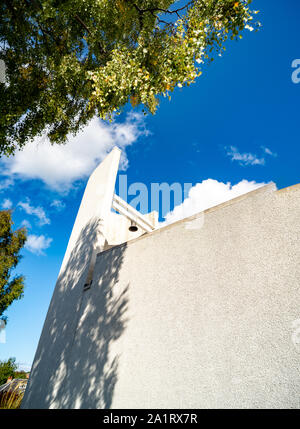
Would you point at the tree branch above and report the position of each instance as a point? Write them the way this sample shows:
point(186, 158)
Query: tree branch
point(158, 9)
point(78, 19)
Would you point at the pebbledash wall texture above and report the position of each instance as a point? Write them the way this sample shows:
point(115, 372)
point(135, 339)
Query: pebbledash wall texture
point(203, 313)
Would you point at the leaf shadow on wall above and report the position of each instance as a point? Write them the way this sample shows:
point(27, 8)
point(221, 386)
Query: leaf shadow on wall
point(73, 366)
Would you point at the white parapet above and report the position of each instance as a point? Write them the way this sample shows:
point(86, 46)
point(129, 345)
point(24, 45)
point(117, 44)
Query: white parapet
point(96, 204)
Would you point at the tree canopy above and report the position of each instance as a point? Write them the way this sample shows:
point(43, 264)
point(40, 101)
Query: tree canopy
point(69, 60)
point(11, 242)
point(7, 369)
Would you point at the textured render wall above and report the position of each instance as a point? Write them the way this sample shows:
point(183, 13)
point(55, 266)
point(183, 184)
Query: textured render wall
point(202, 313)
point(211, 310)
point(51, 362)
point(52, 370)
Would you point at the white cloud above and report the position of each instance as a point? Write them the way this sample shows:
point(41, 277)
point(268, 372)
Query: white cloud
point(60, 165)
point(26, 224)
point(268, 151)
point(24, 366)
point(7, 204)
point(58, 205)
point(5, 184)
point(37, 244)
point(39, 212)
point(206, 194)
point(244, 158)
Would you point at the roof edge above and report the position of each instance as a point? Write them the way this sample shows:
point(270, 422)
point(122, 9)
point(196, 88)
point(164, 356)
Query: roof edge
point(269, 187)
point(292, 188)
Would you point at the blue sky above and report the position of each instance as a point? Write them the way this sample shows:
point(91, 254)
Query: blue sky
point(240, 121)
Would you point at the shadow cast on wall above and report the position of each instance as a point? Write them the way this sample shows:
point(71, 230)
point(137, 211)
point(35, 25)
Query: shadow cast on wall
point(72, 366)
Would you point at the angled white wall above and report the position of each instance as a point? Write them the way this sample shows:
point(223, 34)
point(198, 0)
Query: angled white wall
point(87, 238)
point(96, 228)
point(96, 203)
point(204, 317)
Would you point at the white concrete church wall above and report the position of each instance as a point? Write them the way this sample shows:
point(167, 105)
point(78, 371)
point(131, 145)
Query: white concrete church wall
point(211, 312)
point(183, 317)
